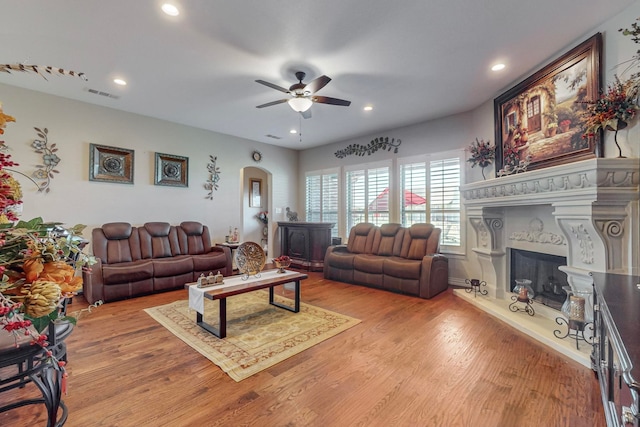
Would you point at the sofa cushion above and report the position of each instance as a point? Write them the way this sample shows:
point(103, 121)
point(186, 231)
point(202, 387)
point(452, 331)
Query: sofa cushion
point(368, 263)
point(159, 240)
point(174, 266)
point(127, 272)
point(117, 230)
point(402, 267)
point(388, 239)
point(361, 238)
point(415, 244)
point(194, 238)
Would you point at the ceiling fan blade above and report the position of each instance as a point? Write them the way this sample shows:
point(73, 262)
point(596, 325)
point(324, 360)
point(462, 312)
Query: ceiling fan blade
point(272, 86)
point(329, 100)
point(317, 84)
point(269, 104)
point(306, 114)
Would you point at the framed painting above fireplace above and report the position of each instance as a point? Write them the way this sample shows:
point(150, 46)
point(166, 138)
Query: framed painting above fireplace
point(541, 119)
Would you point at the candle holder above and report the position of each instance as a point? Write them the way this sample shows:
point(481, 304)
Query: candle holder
point(522, 298)
point(575, 323)
point(475, 287)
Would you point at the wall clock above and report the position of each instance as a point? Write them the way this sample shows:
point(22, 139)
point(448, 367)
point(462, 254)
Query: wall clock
point(256, 156)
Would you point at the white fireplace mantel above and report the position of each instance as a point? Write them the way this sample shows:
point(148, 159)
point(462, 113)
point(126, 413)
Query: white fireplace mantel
point(594, 202)
point(595, 206)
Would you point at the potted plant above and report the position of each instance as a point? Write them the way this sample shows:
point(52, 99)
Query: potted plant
point(565, 125)
point(552, 128)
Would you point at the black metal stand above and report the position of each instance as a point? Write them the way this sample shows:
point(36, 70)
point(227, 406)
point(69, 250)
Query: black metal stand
point(475, 287)
point(528, 308)
point(577, 326)
point(33, 365)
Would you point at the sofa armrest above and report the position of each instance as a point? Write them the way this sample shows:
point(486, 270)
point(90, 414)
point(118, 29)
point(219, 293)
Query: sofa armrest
point(227, 254)
point(93, 282)
point(336, 248)
point(434, 275)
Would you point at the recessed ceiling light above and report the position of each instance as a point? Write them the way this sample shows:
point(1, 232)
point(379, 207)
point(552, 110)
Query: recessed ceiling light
point(497, 67)
point(293, 131)
point(368, 108)
point(170, 9)
point(120, 82)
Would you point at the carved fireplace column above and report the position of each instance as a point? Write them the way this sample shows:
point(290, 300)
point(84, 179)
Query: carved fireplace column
point(489, 248)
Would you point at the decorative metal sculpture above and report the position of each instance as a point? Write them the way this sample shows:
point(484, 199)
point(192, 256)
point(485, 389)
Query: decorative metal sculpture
point(214, 177)
point(50, 160)
point(382, 143)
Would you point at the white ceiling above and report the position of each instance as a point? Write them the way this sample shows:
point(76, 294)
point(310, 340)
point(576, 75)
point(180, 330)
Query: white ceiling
point(413, 60)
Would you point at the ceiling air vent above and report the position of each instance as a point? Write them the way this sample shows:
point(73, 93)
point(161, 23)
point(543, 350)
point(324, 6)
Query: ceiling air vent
point(101, 93)
point(273, 136)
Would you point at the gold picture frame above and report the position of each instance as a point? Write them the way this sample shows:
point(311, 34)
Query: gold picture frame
point(110, 164)
point(171, 170)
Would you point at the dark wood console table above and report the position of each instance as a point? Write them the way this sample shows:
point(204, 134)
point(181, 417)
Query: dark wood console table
point(616, 350)
point(305, 243)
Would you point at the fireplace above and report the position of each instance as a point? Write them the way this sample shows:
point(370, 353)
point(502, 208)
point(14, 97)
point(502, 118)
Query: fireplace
point(585, 212)
point(548, 282)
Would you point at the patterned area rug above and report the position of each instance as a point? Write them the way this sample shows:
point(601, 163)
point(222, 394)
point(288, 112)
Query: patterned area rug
point(259, 335)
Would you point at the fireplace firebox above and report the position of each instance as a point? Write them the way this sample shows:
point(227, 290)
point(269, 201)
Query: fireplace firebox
point(548, 282)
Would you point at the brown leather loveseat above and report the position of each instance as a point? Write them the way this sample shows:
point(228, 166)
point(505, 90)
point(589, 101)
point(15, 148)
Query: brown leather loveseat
point(391, 257)
point(134, 261)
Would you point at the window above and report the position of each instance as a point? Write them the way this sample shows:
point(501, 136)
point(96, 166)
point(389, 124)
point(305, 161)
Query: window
point(322, 198)
point(430, 193)
point(367, 192)
point(444, 199)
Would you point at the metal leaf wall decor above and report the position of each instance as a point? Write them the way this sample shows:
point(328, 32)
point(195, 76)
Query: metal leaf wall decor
point(50, 160)
point(381, 143)
point(214, 177)
point(41, 70)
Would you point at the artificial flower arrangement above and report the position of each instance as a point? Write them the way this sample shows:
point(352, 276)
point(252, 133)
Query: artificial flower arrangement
point(38, 265)
point(618, 106)
point(482, 154)
point(615, 109)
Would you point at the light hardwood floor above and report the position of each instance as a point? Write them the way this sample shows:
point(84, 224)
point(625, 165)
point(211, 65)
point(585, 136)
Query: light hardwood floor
point(411, 362)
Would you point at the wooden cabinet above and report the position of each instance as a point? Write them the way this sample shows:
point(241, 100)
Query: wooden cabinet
point(305, 243)
point(616, 350)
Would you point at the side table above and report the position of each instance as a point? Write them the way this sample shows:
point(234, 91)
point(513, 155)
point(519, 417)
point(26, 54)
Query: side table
point(232, 246)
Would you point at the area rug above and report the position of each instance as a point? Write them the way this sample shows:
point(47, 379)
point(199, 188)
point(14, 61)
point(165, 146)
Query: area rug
point(259, 335)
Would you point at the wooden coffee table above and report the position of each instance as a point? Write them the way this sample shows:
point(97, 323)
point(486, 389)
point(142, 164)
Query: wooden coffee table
point(269, 279)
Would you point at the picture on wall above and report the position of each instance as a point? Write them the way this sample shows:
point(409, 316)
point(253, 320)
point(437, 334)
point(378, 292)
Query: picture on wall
point(110, 164)
point(171, 170)
point(255, 193)
point(541, 120)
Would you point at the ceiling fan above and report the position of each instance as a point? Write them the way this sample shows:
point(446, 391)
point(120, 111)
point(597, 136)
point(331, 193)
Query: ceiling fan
point(303, 95)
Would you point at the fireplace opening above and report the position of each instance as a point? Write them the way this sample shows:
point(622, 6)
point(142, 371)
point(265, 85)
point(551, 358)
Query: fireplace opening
point(547, 280)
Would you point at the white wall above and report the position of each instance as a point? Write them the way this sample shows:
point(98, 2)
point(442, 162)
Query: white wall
point(455, 132)
point(74, 199)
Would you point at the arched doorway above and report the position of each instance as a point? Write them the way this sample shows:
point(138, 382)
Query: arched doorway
point(256, 200)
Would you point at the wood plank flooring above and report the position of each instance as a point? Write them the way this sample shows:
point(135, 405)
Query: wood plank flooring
point(411, 362)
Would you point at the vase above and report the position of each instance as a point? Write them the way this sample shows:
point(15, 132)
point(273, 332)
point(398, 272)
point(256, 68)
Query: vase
point(565, 306)
point(621, 125)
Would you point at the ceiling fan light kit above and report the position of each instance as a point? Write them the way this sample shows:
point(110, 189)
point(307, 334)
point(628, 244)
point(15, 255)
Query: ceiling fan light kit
point(300, 104)
point(302, 95)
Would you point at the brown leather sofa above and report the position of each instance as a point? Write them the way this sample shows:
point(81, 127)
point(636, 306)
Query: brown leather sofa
point(391, 257)
point(134, 261)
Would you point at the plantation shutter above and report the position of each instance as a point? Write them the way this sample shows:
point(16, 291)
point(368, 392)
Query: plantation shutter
point(444, 200)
